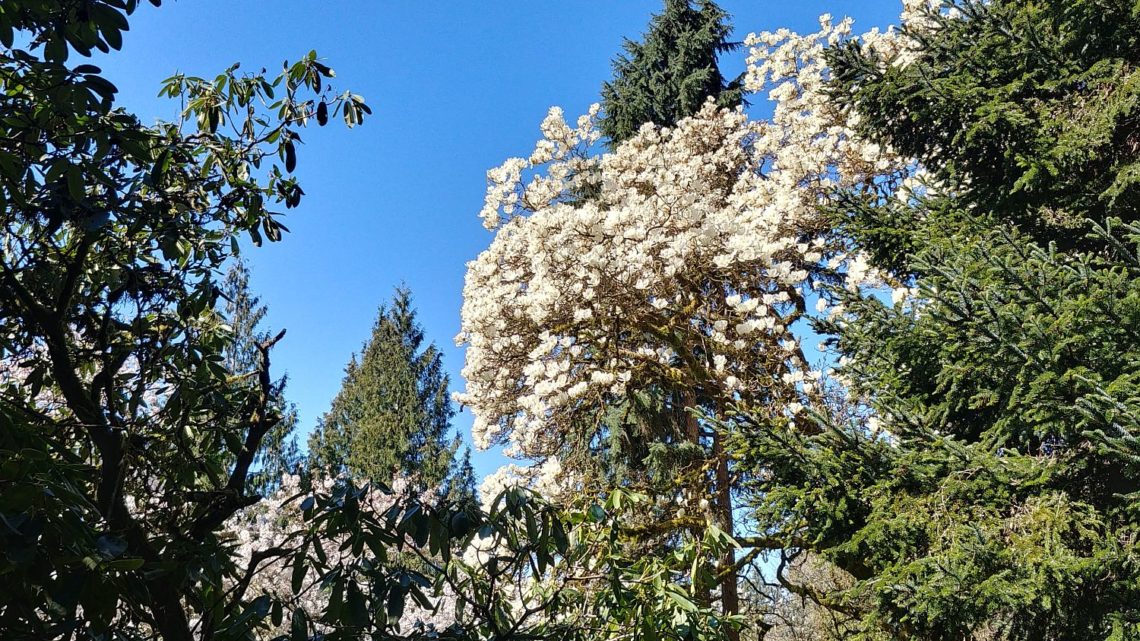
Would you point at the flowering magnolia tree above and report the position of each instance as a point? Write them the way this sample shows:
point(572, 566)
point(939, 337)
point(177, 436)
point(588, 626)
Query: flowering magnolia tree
point(692, 261)
point(686, 259)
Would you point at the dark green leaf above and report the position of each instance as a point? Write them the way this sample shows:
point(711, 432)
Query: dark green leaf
point(290, 156)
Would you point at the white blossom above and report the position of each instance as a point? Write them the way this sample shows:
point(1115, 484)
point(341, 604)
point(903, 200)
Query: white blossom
point(276, 523)
point(703, 233)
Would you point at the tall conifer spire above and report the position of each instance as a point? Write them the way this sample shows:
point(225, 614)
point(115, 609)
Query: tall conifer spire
point(672, 72)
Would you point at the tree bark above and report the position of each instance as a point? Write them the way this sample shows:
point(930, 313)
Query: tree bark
point(721, 508)
point(729, 592)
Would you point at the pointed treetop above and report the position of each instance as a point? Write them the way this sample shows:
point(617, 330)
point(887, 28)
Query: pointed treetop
point(672, 72)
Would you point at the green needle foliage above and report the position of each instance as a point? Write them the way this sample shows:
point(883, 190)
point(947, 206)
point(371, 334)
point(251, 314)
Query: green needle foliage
point(671, 73)
point(1032, 103)
point(392, 416)
point(1002, 499)
point(996, 498)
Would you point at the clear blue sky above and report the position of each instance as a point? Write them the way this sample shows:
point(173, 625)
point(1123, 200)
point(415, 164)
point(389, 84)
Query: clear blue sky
point(455, 88)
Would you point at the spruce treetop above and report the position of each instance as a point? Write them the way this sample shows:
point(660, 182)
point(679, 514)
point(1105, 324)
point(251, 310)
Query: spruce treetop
point(669, 75)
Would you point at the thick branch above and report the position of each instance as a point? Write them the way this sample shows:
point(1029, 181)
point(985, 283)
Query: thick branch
point(261, 419)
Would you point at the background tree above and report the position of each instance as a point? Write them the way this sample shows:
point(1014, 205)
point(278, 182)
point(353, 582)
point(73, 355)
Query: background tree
point(392, 415)
point(244, 312)
point(672, 72)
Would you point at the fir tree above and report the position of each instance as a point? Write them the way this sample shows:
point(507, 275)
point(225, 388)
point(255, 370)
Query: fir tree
point(671, 73)
point(1031, 103)
point(461, 484)
point(992, 494)
point(393, 413)
point(244, 312)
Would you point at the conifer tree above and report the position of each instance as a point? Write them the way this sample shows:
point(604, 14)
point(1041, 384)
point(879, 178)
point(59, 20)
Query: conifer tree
point(461, 485)
point(393, 413)
point(1033, 104)
point(672, 72)
point(983, 484)
point(244, 313)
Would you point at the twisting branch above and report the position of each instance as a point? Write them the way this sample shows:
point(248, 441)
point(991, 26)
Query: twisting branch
point(262, 418)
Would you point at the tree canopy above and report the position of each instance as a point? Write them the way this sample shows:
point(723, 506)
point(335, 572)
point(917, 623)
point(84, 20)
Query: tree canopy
point(127, 441)
point(947, 208)
point(671, 72)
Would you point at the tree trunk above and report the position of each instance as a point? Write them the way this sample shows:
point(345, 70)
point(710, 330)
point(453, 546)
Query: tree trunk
point(721, 509)
point(730, 597)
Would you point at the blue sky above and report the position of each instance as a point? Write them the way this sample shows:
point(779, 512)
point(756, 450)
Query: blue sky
point(455, 88)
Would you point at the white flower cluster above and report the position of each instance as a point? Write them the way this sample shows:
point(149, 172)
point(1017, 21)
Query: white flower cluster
point(547, 479)
point(683, 255)
point(563, 147)
point(277, 523)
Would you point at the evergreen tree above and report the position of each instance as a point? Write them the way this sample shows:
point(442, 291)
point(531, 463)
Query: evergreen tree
point(992, 494)
point(393, 413)
point(244, 312)
point(671, 73)
point(461, 484)
point(1033, 104)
